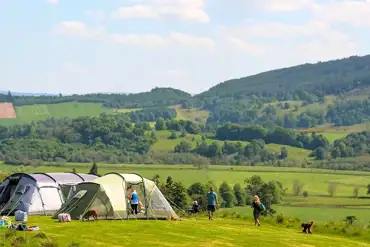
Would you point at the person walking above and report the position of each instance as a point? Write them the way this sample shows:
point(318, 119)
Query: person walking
point(257, 208)
point(212, 203)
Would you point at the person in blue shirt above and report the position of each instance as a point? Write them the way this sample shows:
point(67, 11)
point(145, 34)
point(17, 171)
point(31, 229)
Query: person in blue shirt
point(212, 203)
point(134, 200)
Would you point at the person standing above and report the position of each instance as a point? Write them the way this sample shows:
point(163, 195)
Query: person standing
point(212, 203)
point(134, 200)
point(257, 208)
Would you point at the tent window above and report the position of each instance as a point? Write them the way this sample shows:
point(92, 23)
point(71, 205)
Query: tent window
point(21, 189)
point(80, 194)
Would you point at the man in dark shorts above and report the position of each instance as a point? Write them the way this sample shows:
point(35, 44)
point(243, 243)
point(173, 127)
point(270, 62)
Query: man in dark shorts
point(211, 203)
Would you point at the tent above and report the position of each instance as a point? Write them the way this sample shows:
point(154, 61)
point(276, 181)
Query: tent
point(107, 195)
point(38, 193)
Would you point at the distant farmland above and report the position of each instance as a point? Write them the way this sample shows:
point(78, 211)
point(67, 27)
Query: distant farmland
point(7, 111)
point(29, 113)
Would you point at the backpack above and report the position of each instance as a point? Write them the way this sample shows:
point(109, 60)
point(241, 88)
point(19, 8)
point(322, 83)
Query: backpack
point(262, 207)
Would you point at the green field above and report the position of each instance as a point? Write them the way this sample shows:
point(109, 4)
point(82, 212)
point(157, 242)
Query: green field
point(193, 114)
point(165, 144)
point(29, 113)
point(317, 206)
point(315, 181)
point(189, 232)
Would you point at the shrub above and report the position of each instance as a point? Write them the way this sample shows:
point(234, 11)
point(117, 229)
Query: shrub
point(332, 189)
point(305, 193)
point(355, 192)
point(280, 219)
point(297, 187)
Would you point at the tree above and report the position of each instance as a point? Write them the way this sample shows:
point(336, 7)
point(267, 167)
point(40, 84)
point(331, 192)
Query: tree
point(197, 189)
point(320, 153)
point(332, 188)
point(227, 195)
point(156, 179)
point(94, 169)
point(368, 189)
point(283, 153)
point(175, 192)
point(355, 192)
point(173, 135)
point(9, 97)
point(197, 192)
point(253, 186)
point(182, 147)
point(297, 187)
point(239, 195)
point(160, 124)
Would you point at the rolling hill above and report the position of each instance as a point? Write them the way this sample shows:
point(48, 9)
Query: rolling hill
point(332, 77)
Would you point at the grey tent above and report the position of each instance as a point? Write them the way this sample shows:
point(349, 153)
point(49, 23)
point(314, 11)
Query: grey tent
point(38, 193)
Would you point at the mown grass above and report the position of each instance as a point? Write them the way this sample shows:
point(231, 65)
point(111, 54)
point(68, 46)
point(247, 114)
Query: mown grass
point(189, 232)
point(29, 113)
point(165, 144)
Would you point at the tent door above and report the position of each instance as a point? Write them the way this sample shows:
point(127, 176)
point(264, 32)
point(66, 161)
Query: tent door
point(72, 203)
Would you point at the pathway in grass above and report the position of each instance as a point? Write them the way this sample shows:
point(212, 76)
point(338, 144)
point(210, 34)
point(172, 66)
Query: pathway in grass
point(189, 232)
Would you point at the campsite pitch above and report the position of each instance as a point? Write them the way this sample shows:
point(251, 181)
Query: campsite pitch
point(189, 232)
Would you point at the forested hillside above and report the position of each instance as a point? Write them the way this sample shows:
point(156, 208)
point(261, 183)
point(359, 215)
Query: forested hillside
point(305, 96)
point(333, 77)
point(156, 97)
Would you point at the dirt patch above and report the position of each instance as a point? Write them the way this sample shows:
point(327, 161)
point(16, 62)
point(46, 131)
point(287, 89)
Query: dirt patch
point(7, 110)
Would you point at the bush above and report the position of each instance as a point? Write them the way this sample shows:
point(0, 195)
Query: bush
point(305, 193)
point(280, 219)
point(355, 192)
point(297, 187)
point(332, 189)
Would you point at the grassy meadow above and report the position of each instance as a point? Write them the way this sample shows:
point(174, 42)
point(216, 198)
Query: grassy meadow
point(189, 232)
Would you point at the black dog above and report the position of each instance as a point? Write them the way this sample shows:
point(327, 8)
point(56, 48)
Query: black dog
point(307, 227)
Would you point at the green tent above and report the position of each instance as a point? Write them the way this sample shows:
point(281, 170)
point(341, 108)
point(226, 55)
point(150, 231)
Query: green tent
point(107, 195)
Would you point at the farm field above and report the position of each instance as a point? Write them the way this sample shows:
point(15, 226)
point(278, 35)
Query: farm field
point(165, 144)
point(29, 113)
point(219, 232)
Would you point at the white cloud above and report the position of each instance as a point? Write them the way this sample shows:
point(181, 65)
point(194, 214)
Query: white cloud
point(52, 1)
point(354, 12)
point(79, 29)
point(315, 40)
point(192, 10)
point(76, 28)
point(280, 30)
point(280, 5)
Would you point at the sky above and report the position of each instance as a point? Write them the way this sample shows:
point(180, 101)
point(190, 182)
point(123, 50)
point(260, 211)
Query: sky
point(129, 46)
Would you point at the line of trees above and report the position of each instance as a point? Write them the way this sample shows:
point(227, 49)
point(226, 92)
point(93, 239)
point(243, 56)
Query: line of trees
point(180, 197)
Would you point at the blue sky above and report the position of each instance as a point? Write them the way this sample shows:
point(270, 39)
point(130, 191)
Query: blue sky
point(78, 46)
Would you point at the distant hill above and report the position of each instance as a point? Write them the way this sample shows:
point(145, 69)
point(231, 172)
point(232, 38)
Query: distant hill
point(332, 77)
point(27, 94)
point(332, 93)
